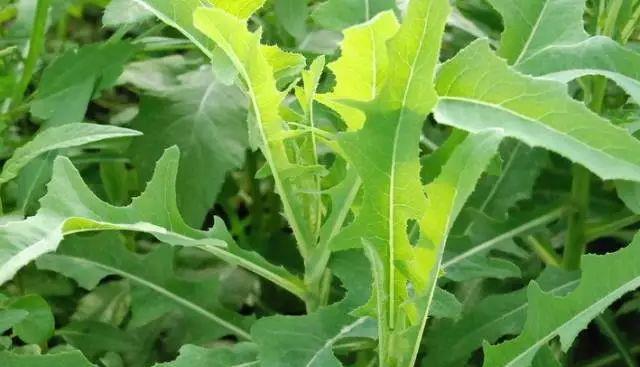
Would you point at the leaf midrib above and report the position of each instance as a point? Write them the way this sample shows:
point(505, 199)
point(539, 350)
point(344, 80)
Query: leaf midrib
point(552, 333)
point(158, 289)
point(546, 127)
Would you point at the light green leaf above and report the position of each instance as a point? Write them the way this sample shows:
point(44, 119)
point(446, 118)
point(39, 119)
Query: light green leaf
point(362, 68)
point(70, 207)
point(340, 14)
point(533, 111)
point(64, 359)
point(73, 79)
point(156, 289)
point(242, 9)
point(252, 63)
point(549, 316)
point(207, 121)
point(66, 136)
point(240, 355)
point(385, 153)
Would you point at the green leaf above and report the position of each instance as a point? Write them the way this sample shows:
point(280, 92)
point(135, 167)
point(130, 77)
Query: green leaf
point(593, 56)
point(547, 38)
point(70, 207)
point(451, 342)
point(107, 303)
point(308, 340)
point(532, 26)
point(254, 65)
point(546, 358)
point(241, 354)
point(207, 121)
point(8, 318)
point(64, 359)
point(94, 338)
point(73, 79)
point(497, 194)
point(179, 15)
point(293, 15)
point(468, 258)
point(38, 326)
point(605, 278)
point(385, 153)
point(66, 136)
point(362, 68)
point(340, 14)
point(629, 193)
point(242, 9)
point(445, 305)
point(533, 111)
point(156, 289)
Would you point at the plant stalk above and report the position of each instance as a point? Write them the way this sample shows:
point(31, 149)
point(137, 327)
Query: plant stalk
point(36, 47)
point(580, 192)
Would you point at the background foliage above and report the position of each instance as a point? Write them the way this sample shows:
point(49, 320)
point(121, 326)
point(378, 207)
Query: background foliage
point(250, 183)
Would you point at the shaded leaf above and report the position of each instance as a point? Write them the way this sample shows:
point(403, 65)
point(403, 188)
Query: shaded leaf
point(65, 359)
point(207, 121)
point(73, 79)
point(340, 14)
point(156, 289)
point(241, 354)
point(70, 207)
point(66, 136)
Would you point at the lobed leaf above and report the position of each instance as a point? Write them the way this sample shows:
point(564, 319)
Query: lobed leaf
point(71, 207)
point(70, 82)
point(63, 359)
point(253, 64)
point(156, 289)
point(241, 354)
point(361, 70)
point(308, 340)
point(207, 121)
point(547, 38)
point(605, 278)
point(65, 136)
point(534, 111)
point(340, 14)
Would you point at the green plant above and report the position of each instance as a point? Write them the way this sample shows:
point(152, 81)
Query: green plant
point(338, 183)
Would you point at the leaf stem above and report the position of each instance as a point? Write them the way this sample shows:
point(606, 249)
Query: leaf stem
point(576, 239)
point(544, 250)
point(611, 227)
point(607, 326)
point(539, 221)
point(36, 46)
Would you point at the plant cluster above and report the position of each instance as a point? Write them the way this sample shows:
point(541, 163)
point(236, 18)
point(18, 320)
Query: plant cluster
point(292, 183)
